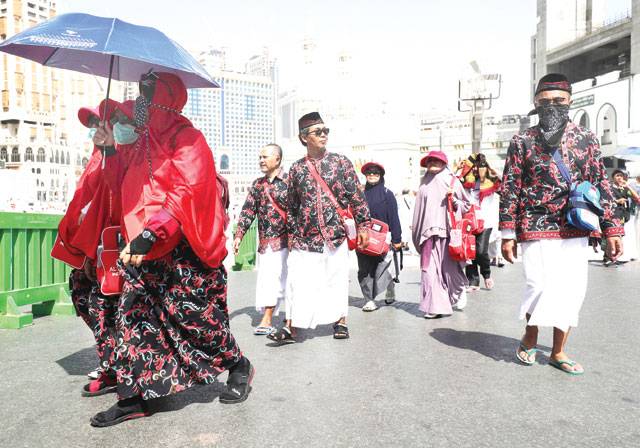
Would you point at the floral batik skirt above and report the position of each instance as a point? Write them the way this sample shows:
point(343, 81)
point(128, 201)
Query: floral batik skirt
point(172, 326)
point(98, 312)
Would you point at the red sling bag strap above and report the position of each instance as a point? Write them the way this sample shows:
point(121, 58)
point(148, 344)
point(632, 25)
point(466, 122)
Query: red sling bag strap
point(321, 182)
point(275, 204)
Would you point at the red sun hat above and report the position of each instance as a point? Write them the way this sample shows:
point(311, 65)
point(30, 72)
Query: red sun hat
point(85, 112)
point(434, 155)
point(368, 165)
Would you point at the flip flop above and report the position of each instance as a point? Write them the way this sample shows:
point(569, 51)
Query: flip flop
point(529, 352)
point(558, 365)
point(263, 331)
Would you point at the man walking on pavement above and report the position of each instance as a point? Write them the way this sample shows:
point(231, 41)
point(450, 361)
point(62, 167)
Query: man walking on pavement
point(322, 186)
point(267, 199)
point(533, 209)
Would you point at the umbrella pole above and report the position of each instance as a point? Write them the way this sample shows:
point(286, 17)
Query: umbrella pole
point(104, 110)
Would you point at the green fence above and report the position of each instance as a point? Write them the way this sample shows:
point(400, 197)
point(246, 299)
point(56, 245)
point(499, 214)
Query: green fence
point(246, 258)
point(28, 274)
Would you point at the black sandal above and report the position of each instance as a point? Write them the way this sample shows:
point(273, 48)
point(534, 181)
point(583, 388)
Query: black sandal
point(123, 410)
point(282, 336)
point(340, 331)
point(239, 382)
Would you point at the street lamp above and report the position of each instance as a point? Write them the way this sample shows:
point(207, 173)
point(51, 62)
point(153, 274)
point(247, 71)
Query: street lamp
point(474, 92)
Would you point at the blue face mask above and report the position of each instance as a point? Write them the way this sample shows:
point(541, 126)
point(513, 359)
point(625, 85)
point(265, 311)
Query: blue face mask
point(124, 134)
point(91, 133)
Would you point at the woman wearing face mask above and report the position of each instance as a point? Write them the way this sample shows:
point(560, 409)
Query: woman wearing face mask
point(92, 208)
point(373, 272)
point(482, 183)
point(627, 200)
point(173, 327)
point(443, 281)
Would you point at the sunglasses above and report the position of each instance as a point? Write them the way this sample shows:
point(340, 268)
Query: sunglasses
point(372, 173)
point(557, 101)
point(319, 132)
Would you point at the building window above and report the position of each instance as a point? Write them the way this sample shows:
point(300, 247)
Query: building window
point(15, 155)
point(57, 159)
point(28, 155)
point(3, 154)
point(40, 157)
point(68, 159)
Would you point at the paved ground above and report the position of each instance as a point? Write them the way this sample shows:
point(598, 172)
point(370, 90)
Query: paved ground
point(399, 381)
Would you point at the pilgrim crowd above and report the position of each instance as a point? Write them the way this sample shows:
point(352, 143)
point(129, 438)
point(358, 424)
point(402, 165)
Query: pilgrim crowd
point(145, 235)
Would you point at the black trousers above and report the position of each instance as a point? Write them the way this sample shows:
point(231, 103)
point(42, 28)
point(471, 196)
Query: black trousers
point(482, 261)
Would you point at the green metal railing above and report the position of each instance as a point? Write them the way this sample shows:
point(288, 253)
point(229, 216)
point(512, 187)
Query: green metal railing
point(28, 274)
point(246, 258)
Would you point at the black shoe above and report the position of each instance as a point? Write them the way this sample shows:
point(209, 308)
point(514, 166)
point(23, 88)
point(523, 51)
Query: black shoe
point(239, 382)
point(123, 410)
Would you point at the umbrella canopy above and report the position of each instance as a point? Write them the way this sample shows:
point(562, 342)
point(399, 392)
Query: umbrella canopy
point(90, 44)
point(632, 154)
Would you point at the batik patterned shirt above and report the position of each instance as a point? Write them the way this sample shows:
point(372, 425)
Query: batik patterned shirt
point(534, 194)
point(313, 220)
point(272, 224)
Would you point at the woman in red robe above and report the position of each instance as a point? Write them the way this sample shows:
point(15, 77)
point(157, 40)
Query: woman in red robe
point(92, 208)
point(173, 327)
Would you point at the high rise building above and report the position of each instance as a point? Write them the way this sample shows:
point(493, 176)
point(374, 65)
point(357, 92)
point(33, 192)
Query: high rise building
point(42, 144)
point(237, 119)
point(598, 48)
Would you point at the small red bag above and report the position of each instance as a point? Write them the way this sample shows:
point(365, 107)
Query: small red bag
point(477, 224)
point(107, 273)
point(462, 243)
point(378, 244)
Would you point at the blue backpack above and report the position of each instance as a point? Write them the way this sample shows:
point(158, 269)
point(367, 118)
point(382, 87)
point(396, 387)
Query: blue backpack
point(584, 209)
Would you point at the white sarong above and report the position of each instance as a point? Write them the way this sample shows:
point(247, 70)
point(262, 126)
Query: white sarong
point(556, 281)
point(629, 241)
point(317, 286)
point(272, 279)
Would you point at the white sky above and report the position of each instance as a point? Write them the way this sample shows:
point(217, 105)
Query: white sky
point(410, 51)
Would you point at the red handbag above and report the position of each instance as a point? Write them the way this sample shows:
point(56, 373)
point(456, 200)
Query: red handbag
point(477, 224)
point(462, 243)
point(109, 278)
point(345, 215)
point(378, 245)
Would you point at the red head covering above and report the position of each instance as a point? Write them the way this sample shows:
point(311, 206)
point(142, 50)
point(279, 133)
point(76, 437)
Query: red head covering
point(171, 170)
point(434, 155)
point(369, 165)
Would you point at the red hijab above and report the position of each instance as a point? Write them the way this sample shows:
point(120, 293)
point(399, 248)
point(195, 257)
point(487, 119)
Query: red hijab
point(92, 208)
point(171, 168)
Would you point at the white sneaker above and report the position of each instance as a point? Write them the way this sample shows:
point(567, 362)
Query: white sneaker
point(370, 306)
point(462, 302)
point(432, 316)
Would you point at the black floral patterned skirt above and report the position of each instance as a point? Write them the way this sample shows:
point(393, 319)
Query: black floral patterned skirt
point(98, 312)
point(172, 326)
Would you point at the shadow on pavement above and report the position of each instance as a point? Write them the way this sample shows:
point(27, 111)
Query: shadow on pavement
point(196, 394)
point(494, 346)
point(80, 362)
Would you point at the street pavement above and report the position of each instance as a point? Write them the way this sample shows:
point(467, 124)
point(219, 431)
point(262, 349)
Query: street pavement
point(400, 381)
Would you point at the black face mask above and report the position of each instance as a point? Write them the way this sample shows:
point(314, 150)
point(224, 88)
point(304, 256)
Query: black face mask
point(553, 120)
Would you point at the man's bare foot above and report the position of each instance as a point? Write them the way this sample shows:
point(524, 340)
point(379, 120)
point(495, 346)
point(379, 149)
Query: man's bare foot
point(527, 343)
point(562, 362)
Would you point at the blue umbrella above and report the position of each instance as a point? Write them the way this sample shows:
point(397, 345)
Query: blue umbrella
point(106, 47)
